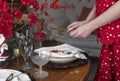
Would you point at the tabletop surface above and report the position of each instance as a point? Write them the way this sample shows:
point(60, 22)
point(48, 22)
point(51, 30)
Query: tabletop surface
point(79, 73)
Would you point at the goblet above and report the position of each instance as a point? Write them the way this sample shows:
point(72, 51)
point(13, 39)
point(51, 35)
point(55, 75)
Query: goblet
point(26, 51)
point(26, 46)
point(41, 59)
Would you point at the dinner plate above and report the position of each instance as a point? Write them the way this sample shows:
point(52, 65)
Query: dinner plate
point(63, 50)
point(63, 53)
point(4, 74)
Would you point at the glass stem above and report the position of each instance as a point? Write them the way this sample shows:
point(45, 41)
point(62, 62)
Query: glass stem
point(26, 61)
point(40, 70)
point(40, 44)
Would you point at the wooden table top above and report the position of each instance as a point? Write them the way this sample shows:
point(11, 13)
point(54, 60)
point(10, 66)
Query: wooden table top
point(79, 73)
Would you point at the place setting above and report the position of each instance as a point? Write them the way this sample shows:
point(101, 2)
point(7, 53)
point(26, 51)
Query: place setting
point(64, 56)
point(61, 56)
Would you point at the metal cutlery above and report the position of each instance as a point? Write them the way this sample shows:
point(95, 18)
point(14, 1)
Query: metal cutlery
point(81, 54)
point(10, 77)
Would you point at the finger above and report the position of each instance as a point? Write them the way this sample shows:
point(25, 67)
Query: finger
point(73, 33)
point(72, 24)
point(72, 28)
point(76, 34)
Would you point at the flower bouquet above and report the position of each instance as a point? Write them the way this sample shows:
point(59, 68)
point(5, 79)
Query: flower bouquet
point(10, 17)
point(14, 19)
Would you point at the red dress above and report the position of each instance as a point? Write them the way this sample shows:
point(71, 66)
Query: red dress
point(109, 62)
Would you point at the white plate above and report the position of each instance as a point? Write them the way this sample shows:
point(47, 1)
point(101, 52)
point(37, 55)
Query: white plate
point(65, 53)
point(62, 60)
point(63, 47)
point(4, 73)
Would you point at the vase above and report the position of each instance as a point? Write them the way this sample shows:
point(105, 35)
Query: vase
point(12, 43)
point(3, 52)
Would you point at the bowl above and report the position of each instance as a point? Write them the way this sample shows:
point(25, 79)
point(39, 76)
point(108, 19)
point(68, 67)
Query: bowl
point(62, 59)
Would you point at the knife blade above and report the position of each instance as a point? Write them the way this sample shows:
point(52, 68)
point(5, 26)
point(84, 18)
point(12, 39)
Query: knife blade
point(10, 77)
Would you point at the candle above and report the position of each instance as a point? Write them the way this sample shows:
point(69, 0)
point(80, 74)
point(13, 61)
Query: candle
point(16, 52)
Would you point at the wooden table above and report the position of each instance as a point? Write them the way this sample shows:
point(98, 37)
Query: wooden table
point(79, 73)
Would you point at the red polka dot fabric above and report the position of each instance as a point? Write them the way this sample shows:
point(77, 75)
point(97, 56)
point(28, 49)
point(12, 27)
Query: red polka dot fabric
point(109, 63)
point(110, 32)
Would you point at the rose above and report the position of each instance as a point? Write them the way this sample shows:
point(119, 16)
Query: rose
point(40, 35)
point(33, 19)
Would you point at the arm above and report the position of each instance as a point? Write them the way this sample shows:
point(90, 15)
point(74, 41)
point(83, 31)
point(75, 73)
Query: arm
point(91, 14)
point(76, 24)
point(108, 16)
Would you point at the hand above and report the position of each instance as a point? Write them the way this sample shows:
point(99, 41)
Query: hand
point(75, 25)
point(82, 31)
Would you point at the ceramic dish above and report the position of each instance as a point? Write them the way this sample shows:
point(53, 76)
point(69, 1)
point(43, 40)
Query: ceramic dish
point(62, 59)
point(63, 50)
point(63, 53)
point(4, 74)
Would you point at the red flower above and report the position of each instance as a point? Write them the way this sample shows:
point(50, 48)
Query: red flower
point(40, 35)
point(16, 12)
point(7, 32)
point(33, 19)
point(4, 6)
point(44, 6)
point(6, 18)
point(10, 16)
point(25, 2)
point(46, 13)
point(33, 3)
point(52, 19)
point(1, 28)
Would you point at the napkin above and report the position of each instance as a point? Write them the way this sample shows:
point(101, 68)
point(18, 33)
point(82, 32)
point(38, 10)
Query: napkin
point(67, 50)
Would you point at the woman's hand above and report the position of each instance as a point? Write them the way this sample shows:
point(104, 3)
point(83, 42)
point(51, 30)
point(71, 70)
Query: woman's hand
point(75, 25)
point(82, 31)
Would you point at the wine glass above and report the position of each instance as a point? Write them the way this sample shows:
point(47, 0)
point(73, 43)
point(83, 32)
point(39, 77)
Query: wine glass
point(26, 51)
point(26, 47)
point(40, 59)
